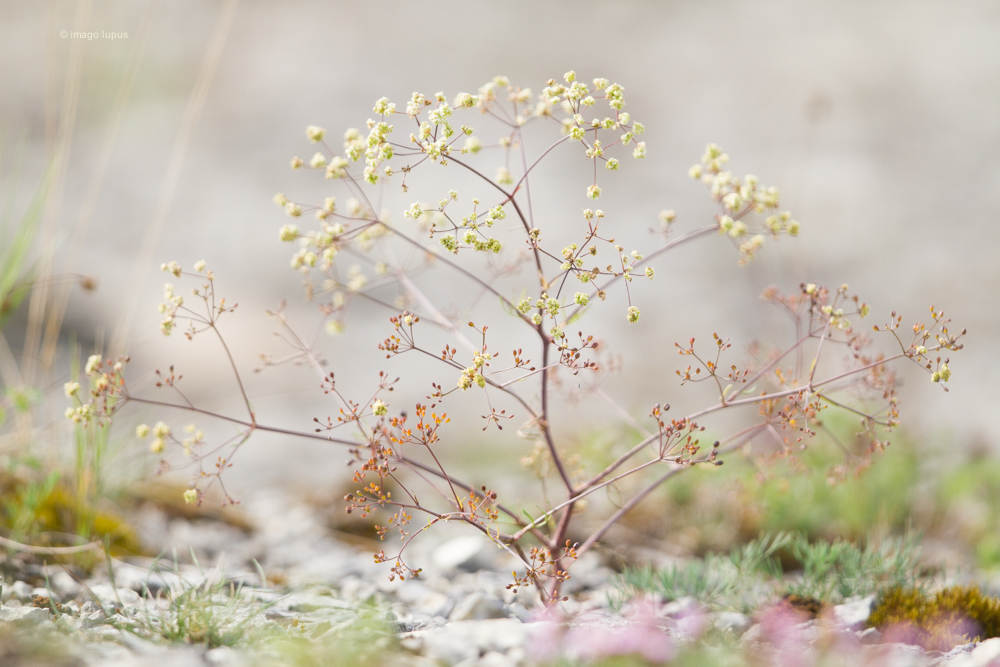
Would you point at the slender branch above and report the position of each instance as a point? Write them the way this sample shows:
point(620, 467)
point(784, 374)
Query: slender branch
point(638, 448)
point(698, 233)
point(636, 499)
point(520, 213)
point(842, 406)
point(585, 492)
point(797, 345)
point(543, 424)
point(239, 380)
point(53, 551)
point(438, 317)
point(457, 267)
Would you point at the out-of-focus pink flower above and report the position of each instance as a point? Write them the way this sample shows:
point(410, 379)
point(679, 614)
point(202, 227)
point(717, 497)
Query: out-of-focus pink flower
point(593, 641)
point(594, 638)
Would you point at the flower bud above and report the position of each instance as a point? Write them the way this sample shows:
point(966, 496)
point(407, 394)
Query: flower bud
point(315, 134)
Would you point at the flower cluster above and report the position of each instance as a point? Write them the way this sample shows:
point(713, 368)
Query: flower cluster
point(570, 270)
point(737, 198)
point(104, 381)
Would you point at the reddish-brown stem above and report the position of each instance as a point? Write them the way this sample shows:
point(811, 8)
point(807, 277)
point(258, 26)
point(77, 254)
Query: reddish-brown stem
point(314, 436)
point(556, 550)
point(798, 344)
point(239, 380)
point(636, 499)
point(698, 233)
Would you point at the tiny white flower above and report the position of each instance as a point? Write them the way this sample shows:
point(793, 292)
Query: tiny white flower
point(318, 161)
point(93, 364)
point(315, 133)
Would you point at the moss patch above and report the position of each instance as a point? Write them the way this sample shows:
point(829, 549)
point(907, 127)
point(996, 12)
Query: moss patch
point(956, 615)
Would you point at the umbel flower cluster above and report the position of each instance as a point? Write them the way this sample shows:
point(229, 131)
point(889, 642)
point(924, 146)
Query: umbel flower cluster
point(491, 237)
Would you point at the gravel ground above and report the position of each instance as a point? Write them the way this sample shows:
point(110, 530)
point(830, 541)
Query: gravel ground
point(328, 595)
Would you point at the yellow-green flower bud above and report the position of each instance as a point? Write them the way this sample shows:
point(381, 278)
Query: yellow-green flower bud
point(315, 134)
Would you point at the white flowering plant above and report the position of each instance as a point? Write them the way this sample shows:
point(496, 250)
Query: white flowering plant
point(354, 251)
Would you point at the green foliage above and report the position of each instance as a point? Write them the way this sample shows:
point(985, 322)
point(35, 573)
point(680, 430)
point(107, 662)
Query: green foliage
point(952, 616)
point(838, 570)
point(22, 502)
point(365, 641)
point(752, 575)
point(21, 398)
point(969, 498)
point(809, 503)
point(16, 240)
point(200, 615)
point(710, 509)
point(35, 645)
point(219, 612)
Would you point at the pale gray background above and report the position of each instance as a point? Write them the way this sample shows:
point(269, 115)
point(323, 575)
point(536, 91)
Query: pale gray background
point(879, 121)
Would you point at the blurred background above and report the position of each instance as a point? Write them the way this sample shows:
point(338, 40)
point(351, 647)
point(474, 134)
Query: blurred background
point(880, 122)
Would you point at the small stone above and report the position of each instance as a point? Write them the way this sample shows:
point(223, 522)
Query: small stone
point(518, 611)
point(731, 621)
point(477, 607)
point(21, 591)
point(138, 644)
point(65, 585)
point(854, 613)
point(961, 649)
point(412, 642)
point(104, 632)
point(470, 639)
point(870, 636)
point(225, 656)
point(92, 619)
point(309, 602)
point(984, 654)
point(109, 595)
point(681, 606)
point(460, 552)
point(31, 615)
